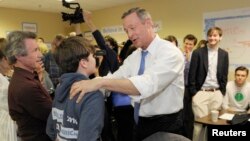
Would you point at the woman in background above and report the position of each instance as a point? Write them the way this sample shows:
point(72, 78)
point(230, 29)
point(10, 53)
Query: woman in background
point(8, 126)
point(112, 43)
point(202, 43)
point(172, 39)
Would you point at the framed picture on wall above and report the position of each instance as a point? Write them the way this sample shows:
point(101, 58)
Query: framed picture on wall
point(32, 27)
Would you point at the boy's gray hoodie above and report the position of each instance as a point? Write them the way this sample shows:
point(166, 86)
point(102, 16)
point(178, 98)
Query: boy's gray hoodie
point(73, 121)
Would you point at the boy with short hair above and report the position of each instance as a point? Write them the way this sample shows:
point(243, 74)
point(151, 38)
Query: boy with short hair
point(70, 120)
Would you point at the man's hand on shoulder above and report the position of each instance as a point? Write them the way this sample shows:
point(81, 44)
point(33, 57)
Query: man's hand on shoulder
point(84, 87)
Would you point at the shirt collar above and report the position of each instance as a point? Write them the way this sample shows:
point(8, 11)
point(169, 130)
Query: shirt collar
point(212, 49)
point(151, 48)
point(25, 73)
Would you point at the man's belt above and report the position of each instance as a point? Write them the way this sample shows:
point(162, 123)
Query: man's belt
point(210, 89)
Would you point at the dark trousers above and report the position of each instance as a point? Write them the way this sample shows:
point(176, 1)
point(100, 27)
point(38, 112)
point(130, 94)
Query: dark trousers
point(107, 132)
point(41, 137)
point(188, 115)
point(124, 116)
point(166, 123)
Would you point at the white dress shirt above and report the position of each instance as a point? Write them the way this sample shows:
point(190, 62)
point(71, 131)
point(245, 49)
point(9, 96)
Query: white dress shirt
point(211, 79)
point(162, 84)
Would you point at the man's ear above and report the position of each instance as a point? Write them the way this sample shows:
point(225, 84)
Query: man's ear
point(220, 38)
point(83, 63)
point(18, 57)
point(149, 22)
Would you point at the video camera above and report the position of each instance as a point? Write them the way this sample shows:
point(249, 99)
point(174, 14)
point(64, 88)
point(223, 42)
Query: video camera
point(75, 17)
point(100, 53)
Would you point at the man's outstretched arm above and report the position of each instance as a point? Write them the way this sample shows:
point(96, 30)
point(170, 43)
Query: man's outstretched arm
point(120, 85)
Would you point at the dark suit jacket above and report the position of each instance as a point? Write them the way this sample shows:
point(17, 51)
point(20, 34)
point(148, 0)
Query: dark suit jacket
point(199, 68)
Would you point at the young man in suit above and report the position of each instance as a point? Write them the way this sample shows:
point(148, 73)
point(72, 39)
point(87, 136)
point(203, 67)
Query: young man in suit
point(189, 43)
point(208, 76)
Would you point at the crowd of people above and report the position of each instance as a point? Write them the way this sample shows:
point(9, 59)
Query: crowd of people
point(74, 92)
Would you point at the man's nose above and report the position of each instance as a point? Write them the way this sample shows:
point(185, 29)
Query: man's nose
point(129, 33)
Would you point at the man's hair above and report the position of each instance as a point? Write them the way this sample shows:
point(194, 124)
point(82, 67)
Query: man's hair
point(241, 68)
point(16, 45)
point(190, 37)
point(59, 37)
point(212, 29)
point(71, 51)
point(1, 55)
point(141, 13)
point(3, 43)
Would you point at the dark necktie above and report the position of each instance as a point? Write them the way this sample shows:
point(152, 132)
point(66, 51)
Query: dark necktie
point(140, 72)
